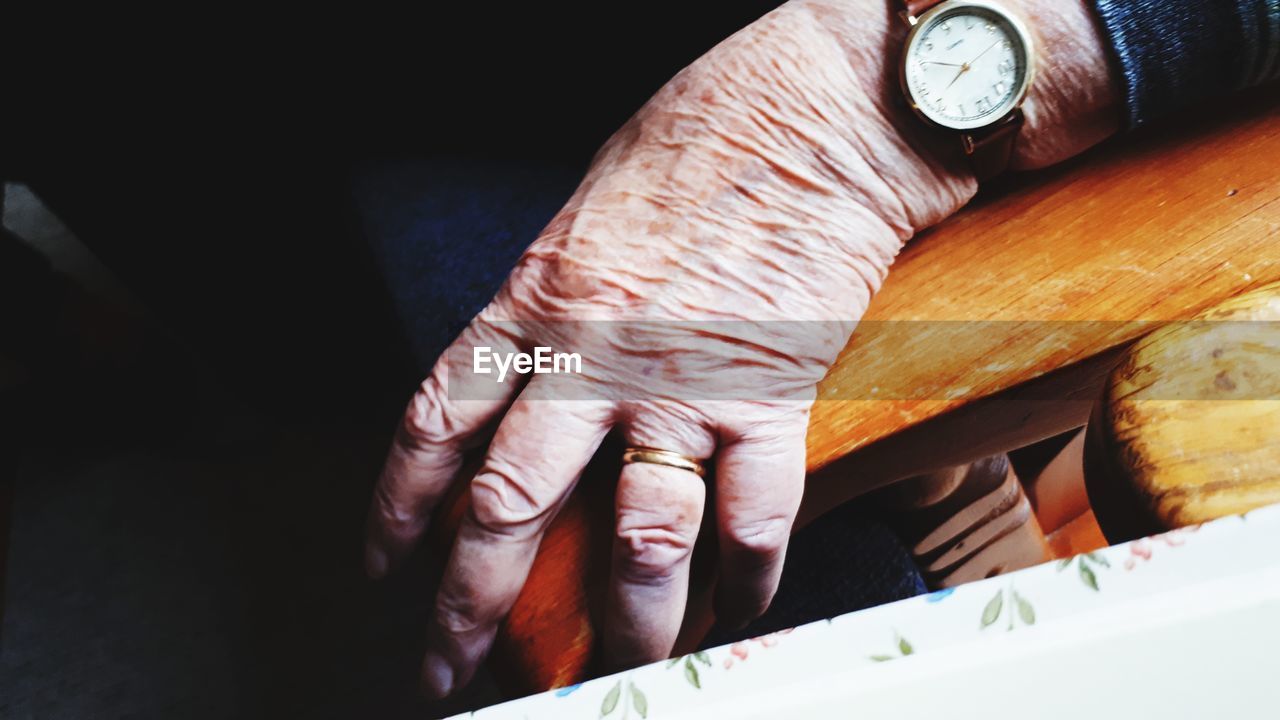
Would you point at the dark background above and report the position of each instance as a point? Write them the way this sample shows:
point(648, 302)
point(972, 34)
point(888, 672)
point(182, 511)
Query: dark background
point(188, 465)
point(244, 133)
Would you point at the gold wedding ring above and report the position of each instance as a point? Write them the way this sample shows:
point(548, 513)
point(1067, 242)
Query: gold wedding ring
point(654, 456)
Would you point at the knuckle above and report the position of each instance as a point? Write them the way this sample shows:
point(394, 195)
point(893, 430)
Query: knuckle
point(650, 554)
point(657, 527)
point(392, 515)
point(458, 618)
point(428, 419)
point(769, 425)
point(763, 537)
point(503, 505)
point(676, 426)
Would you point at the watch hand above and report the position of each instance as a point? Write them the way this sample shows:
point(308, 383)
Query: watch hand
point(939, 62)
point(984, 52)
point(963, 69)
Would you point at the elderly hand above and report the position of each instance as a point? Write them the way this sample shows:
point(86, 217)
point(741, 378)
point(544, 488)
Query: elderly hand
point(709, 268)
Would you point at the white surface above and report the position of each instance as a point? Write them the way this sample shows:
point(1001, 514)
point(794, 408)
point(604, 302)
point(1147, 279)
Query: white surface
point(1186, 624)
point(1206, 652)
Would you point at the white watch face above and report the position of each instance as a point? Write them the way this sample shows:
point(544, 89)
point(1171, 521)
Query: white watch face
point(966, 65)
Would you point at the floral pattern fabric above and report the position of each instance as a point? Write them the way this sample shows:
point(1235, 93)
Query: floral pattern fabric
point(973, 614)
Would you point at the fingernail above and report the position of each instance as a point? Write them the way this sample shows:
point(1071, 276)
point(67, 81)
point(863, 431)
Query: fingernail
point(375, 561)
point(437, 675)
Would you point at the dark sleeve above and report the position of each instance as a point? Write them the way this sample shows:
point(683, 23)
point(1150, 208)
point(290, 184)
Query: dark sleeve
point(1177, 53)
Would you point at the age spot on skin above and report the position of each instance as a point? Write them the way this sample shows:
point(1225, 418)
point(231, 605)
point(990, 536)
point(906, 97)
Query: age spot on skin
point(661, 228)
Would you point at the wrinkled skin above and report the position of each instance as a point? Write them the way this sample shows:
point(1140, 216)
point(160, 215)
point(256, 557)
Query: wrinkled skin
point(774, 179)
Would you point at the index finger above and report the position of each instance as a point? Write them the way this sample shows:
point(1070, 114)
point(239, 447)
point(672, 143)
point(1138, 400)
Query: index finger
point(427, 450)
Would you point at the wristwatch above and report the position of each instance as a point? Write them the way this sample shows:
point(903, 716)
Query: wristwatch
point(966, 67)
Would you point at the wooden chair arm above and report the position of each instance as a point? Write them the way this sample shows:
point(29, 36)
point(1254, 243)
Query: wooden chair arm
point(1063, 267)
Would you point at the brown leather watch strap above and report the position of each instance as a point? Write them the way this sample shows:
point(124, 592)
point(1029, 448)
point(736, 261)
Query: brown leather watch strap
point(990, 148)
point(916, 8)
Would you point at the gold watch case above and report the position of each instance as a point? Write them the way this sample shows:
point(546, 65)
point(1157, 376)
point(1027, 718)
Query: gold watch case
point(1018, 28)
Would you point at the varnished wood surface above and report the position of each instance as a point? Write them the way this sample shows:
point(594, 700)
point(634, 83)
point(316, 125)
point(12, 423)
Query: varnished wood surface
point(1156, 229)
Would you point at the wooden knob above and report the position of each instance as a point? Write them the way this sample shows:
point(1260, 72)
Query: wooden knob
point(1188, 428)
